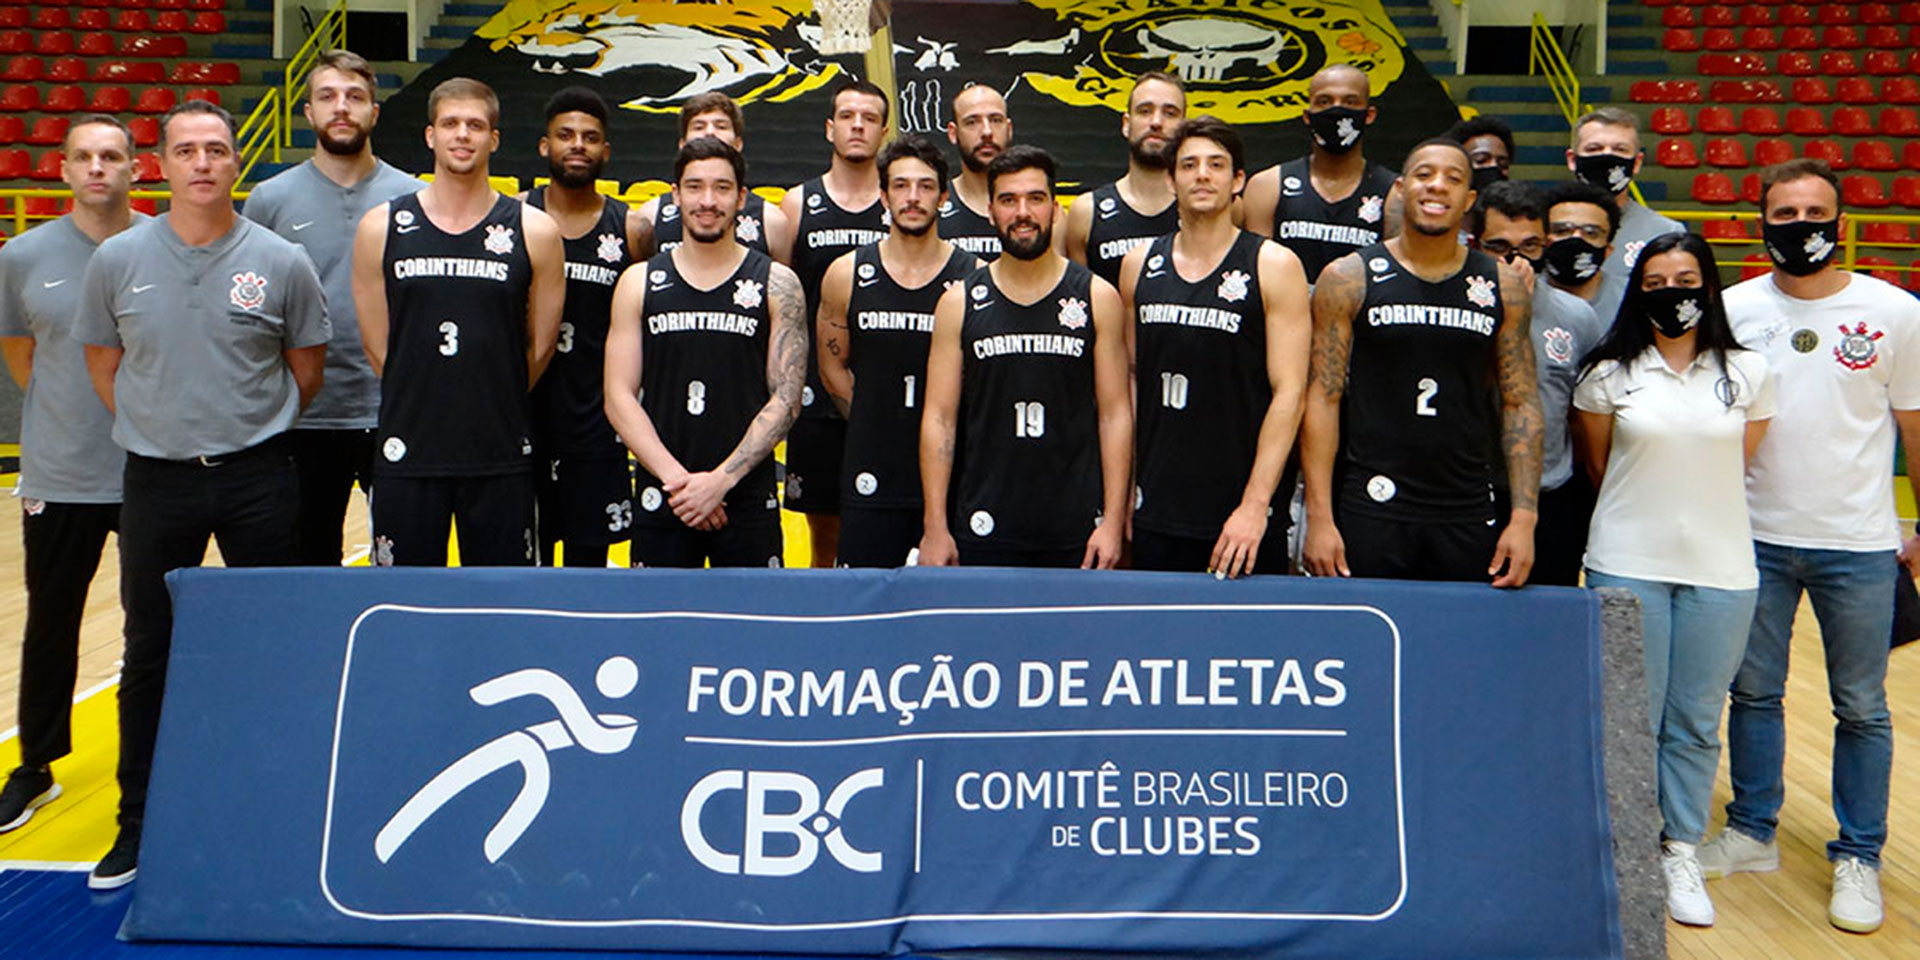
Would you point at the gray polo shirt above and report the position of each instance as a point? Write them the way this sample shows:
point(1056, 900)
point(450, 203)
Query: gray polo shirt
point(203, 329)
point(304, 206)
point(67, 453)
point(1564, 329)
point(1637, 225)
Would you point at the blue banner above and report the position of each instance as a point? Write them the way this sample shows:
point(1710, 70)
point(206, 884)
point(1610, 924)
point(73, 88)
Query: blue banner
point(873, 763)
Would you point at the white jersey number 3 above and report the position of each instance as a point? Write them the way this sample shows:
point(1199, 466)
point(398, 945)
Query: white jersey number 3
point(449, 338)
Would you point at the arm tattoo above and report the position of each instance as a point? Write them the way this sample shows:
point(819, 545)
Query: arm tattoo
point(787, 373)
point(1336, 298)
point(1522, 425)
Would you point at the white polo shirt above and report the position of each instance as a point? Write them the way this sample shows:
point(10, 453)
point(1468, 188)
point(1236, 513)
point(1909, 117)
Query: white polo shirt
point(1823, 477)
point(1673, 505)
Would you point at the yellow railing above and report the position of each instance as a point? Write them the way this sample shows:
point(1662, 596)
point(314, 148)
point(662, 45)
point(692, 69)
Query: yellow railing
point(269, 128)
point(1544, 57)
point(1850, 242)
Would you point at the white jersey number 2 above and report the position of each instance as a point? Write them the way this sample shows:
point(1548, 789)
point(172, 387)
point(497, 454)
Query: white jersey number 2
point(1423, 401)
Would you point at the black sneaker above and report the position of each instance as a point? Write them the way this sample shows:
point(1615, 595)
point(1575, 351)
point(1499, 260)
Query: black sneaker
point(116, 869)
point(27, 790)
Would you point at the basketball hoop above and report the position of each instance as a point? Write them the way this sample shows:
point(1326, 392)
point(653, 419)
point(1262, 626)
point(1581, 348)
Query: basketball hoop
point(845, 26)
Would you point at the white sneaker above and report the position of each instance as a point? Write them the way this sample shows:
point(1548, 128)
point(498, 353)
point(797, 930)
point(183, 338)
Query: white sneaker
point(1734, 852)
point(1687, 900)
point(1855, 906)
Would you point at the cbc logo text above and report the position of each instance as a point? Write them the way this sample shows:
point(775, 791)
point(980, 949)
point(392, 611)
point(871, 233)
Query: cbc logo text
point(810, 823)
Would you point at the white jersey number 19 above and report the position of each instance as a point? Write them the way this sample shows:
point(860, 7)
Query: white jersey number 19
point(1029, 419)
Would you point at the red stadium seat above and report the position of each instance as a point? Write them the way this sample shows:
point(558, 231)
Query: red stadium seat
point(1913, 61)
point(1736, 64)
point(1874, 155)
point(1885, 38)
point(132, 4)
point(158, 47)
point(1719, 16)
point(1746, 91)
point(13, 18)
point(170, 21)
point(1713, 188)
point(132, 21)
point(1717, 120)
point(93, 20)
point(208, 4)
point(146, 130)
point(1725, 230)
point(1796, 15)
point(208, 22)
point(53, 44)
point(48, 131)
point(1679, 17)
point(1901, 90)
point(47, 167)
point(1800, 38)
point(1773, 150)
point(1886, 232)
point(1873, 13)
point(1670, 120)
point(1720, 38)
point(1755, 15)
point(1838, 63)
point(1727, 153)
point(146, 205)
point(15, 164)
point(1906, 190)
point(1899, 122)
point(146, 168)
point(19, 98)
point(64, 98)
point(1910, 13)
point(225, 74)
point(15, 41)
point(1680, 41)
point(168, 4)
point(1841, 38)
point(1910, 155)
point(1852, 122)
point(1890, 276)
point(1796, 64)
point(1678, 154)
point(1861, 190)
point(1836, 13)
point(1807, 122)
point(1755, 265)
point(1882, 63)
point(67, 70)
point(111, 99)
point(13, 129)
point(1761, 121)
point(155, 100)
point(208, 94)
point(120, 71)
point(50, 18)
point(25, 68)
point(1759, 38)
point(1827, 150)
point(95, 45)
point(1857, 90)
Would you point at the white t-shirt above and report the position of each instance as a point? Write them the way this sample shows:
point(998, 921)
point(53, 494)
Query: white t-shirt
point(1673, 505)
point(1823, 477)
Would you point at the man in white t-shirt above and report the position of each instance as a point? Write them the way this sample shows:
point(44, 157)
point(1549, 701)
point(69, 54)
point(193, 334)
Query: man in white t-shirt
point(1845, 349)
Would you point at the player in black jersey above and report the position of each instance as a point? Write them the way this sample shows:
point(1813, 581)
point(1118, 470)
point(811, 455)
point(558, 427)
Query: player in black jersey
point(1412, 341)
point(1105, 223)
point(980, 128)
point(1219, 330)
point(705, 361)
point(1027, 390)
point(459, 292)
point(758, 225)
point(1331, 202)
point(829, 216)
point(584, 492)
point(876, 317)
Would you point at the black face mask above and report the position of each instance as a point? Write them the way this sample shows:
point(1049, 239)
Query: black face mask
point(1674, 310)
point(1803, 247)
point(1573, 260)
point(1484, 177)
point(1609, 172)
point(1337, 129)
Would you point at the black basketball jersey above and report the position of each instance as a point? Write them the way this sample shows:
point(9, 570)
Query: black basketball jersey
point(703, 378)
point(888, 330)
point(1029, 475)
point(569, 407)
point(1418, 427)
point(826, 232)
point(1200, 361)
point(1320, 232)
point(749, 225)
point(1118, 228)
point(453, 397)
point(968, 230)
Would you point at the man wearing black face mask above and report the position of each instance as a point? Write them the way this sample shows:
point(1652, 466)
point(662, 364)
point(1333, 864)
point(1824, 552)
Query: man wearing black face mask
point(1489, 143)
point(1331, 202)
point(1820, 495)
point(1581, 223)
point(1606, 153)
point(1510, 223)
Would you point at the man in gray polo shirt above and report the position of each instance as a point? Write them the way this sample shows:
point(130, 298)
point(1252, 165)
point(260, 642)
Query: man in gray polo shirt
point(1606, 153)
point(205, 334)
point(318, 204)
point(69, 466)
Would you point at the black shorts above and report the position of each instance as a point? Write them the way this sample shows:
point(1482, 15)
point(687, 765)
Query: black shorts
point(1427, 550)
point(585, 501)
point(411, 516)
point(878, 536)
point(734, 545)
point(815, 447)
point(1166, 551)
point(1068, 558)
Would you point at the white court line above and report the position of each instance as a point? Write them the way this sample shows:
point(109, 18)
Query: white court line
point(50, 866)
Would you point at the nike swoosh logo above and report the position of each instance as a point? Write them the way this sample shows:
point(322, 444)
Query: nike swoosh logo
point(1382, 278)
point(303, 226)
point(50, 284)
point(142, 289)
point(1629, 393)
point(1156, 273)
point(1109, 215)
point(407, 229)
point(868, 283)
point(1292, 193)
point(667, 286)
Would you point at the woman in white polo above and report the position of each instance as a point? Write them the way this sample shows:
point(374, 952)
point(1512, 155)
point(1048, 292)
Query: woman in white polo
point(1669, 408)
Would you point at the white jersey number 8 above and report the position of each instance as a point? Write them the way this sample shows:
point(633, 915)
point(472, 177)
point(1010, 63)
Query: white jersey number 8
point(696, 397)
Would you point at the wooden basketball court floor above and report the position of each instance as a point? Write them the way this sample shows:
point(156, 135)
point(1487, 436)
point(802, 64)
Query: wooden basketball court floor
point(47, 913)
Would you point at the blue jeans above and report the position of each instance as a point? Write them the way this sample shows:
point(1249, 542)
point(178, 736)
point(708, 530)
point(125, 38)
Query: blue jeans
point(1852, 596)
point(1693, 640)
